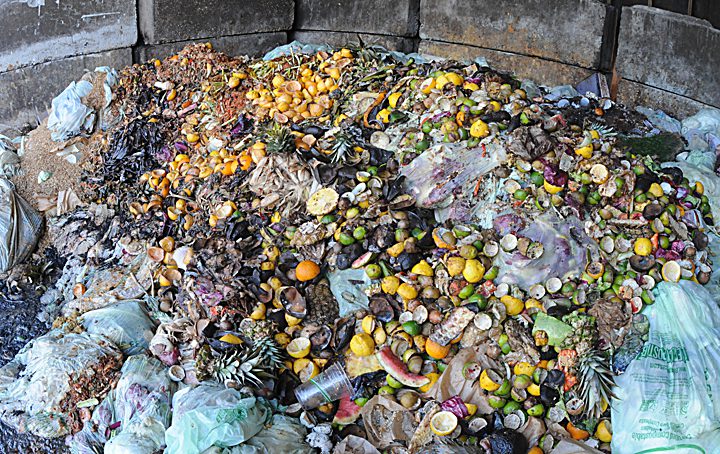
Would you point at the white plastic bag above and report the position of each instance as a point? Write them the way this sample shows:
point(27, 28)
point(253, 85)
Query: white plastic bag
point(37, 392)
point(211, 415)
point(668, 398)
point(133, 417)
point(125, 323)
point(69, 116)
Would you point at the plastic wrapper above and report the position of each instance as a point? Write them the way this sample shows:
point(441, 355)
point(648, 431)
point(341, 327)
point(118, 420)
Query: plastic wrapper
point(387, 422)
point(20, 227)
point(355, 445)
point(674, 378)
point(565, 255)
point(133, 417)
point(284, 435)
point(445, 177)
point(211, 415)
point(125, 323)
point(452, 382)
point(69, 116)
point(295, 47)
point(348, 288)
point(40, 387)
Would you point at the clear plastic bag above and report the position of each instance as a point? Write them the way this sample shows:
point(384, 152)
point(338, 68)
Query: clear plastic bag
point(286, 435)
point(444, 177)
point(35, 387)
point(565, 252)
point(133, 417)
point(211, 415)
point(20, 227)
point(125, 323)
point(667, 400)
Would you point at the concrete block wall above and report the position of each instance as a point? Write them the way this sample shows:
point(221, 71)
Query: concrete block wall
point(664, 59)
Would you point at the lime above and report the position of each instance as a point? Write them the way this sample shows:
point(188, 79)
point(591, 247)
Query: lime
point(412, 327)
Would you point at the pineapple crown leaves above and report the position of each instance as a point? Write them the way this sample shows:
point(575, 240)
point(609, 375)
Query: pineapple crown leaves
point(596, 382)
point(279, 139)
point(342, 146)
point(249, 364)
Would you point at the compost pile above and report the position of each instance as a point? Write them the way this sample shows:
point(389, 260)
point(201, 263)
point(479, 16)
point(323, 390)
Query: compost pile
point(472, 251)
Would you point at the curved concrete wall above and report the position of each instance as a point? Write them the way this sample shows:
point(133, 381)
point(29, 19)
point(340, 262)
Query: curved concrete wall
point(654, 57)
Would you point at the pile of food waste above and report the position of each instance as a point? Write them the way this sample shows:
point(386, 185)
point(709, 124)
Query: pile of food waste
point(370, 252)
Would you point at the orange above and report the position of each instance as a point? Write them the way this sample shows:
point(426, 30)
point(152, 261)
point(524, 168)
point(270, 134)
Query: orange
point(435, 350)
point(536, 450)
point(577, 433)
point(306, 270)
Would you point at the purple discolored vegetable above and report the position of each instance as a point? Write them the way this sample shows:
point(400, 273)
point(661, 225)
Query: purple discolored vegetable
point(555, 176)
point(456, 406)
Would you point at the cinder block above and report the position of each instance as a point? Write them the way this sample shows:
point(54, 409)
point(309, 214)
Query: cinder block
point(568, 31)
point(669, 51)
point(253, 45)
point(27, 92)
point(339, 39)
point(634, 94)
point(398, 17)
point(541, 71)
point(164, 21)
point(63, 29)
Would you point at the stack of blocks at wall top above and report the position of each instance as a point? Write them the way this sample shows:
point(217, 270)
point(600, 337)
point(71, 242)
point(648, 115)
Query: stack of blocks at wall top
point(666, 60)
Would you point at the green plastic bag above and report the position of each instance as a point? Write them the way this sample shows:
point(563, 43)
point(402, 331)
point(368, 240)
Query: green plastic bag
point(667, 400)
point(211, 415)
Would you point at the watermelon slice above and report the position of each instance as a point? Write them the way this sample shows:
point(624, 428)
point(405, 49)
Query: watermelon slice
point(348, 411)
point(395, 367)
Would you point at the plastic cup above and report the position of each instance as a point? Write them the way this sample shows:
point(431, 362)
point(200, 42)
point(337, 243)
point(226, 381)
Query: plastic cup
point(328, 386)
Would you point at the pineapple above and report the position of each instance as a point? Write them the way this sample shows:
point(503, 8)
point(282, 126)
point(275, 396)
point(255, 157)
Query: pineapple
point(341, 148)
point(247, 364)
point(584, 333)
point(595, 382)
point(279, 139)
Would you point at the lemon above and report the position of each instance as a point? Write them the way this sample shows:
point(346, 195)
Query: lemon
point(454, 78)
point(368, 324)
point(291, 321)
point(362, 344)
point(479, 129)
point(524, 368)
point(604, 431)
point(282, 339)
point(473, 271)
point(299, 364)
point(231, 339)
point(594, 134)
point(513, 305)
point(490, 380)
point(422, 268)
point(390, 285)
point(407, 291)
point(393, 99)
point(656, 190)
point(699, 187)
point(455, 266)
point(311, 370)
point(471, 408)
point(533, 390)
point(599, 174)
point(433, 378)
point(299, 347)
point(441, 81)
point(643, 246)
point(470, 86)
point(671, 271)
point(427, 85)
point(551, 188)
point(585, 152)
point(443, 423)
point(259, 312)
